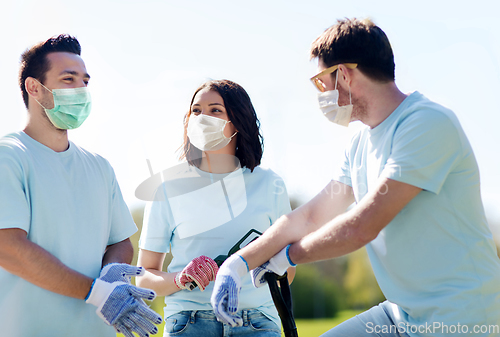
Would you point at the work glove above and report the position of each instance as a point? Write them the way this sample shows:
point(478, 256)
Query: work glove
point(201, 270)
point(278, 264)
point(122, 272)
point(227, 289)
point(121, 305)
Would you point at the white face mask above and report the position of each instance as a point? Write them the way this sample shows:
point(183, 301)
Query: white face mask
point(328, 104)
point(207, 132)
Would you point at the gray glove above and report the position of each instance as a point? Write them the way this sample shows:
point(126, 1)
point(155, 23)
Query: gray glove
point(120, 304)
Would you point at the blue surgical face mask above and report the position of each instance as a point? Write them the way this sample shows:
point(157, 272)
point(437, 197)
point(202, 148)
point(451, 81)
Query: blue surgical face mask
point(71, 107)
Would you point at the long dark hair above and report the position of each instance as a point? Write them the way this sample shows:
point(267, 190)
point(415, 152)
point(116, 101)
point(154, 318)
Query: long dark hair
point(249, 141)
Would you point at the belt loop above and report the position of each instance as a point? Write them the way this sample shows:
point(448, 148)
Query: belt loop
point(245, 317)
point(193, 315)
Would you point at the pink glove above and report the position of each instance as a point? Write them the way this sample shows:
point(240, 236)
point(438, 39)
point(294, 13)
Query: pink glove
point(201, 270)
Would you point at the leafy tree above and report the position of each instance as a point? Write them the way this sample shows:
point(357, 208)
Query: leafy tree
point(313, 295)
point(360, 284)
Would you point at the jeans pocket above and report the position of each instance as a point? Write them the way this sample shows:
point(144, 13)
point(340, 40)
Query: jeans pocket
point(177, 323)
point(259, 321)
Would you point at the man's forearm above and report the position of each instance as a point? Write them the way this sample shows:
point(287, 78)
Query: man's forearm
point(341, 236)
point(329, 203)
point(287, 229)
point(356, 228)
point(120, 252)
point(25, 259)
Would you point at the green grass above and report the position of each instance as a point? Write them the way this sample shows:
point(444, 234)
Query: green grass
point(316, 327)
point(305, 327)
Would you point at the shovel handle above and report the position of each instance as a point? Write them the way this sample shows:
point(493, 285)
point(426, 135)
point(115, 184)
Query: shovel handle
point(283, 302)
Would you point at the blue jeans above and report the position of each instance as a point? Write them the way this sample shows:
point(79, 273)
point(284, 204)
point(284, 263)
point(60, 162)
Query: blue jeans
point(378, 321)
point(204, 323)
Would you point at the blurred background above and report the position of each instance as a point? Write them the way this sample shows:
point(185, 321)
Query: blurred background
point(147, 57)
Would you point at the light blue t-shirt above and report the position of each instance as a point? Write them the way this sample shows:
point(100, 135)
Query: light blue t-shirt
point(70, 204)
point(206, 214)
point(436, 260)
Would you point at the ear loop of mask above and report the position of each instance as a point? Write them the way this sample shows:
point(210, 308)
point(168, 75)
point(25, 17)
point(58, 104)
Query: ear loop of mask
point(45, 88)
point(43, 85)
point(336, 78)
point(208, 159)
point(225, 136)
point(235, 132)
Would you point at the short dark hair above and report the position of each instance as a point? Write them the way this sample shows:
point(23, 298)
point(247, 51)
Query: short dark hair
point(34, 62)
point(249, 141)
point(357, 41)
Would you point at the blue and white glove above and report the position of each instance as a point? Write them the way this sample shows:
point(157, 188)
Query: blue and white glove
point(278, 264)
point(120, 304)
point(227, 289)
point(138, 321)
point(122, 272)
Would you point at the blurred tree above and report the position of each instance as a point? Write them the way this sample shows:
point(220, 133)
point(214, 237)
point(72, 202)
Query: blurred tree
point(360, 284)
point(314, 296)
point(347, 282)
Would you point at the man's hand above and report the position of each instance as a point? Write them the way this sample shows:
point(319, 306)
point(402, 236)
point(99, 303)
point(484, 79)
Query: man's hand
point(278, 264)
point(138, 322)
point(201, 270)
point(227, 289)
point(120, 304)
point(120, 272)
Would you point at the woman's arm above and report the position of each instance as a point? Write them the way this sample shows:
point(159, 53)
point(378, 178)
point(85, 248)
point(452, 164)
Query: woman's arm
point(155, 278)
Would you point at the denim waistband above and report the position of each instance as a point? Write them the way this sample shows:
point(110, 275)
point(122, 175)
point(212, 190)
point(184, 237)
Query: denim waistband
point(245, 314)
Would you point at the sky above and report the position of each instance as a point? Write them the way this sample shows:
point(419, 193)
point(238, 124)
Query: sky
point(146, 58)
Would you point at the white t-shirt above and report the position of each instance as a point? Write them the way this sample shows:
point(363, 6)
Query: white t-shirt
point(70, 204)
point(198, 213)
point(436, 260)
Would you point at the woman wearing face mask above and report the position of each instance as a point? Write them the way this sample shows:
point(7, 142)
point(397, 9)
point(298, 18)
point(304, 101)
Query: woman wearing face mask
point(204, 208)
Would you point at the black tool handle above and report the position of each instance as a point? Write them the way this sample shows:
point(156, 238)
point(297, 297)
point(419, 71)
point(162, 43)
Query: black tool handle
point(283, 302)
point(221, 258)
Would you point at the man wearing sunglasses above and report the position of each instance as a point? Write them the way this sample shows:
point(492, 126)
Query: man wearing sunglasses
point(415, 182)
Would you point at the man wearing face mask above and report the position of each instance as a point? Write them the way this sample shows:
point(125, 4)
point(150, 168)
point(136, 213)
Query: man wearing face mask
point(413, 176)
point(64, 226)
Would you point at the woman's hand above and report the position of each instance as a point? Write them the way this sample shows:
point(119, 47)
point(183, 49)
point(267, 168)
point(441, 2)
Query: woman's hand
point(201, 270)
